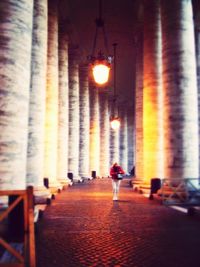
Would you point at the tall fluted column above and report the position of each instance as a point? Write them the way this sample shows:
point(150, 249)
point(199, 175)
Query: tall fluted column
point(15, 61)
point(73, 144)
point(84, 122)
point(123, 147)
point(51, 119)
point(152, 92)
point(62, 161)
point(130, 137)
point(114, 139)
point(196, 8)
point(35, 156)
point(139, 107)
point(104, 134)
point(94, 129)
point(179, 91)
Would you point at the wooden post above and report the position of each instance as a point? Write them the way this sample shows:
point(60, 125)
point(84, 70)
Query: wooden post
point(31, 234)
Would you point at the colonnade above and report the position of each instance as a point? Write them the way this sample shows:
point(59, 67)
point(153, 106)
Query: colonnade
point(54, 121)
point(166, 93)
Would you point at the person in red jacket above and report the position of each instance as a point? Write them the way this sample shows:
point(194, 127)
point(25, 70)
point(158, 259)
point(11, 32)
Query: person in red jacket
point(116, 171)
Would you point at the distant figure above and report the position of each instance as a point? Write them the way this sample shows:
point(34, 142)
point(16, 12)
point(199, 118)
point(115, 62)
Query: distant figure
point(116, 172)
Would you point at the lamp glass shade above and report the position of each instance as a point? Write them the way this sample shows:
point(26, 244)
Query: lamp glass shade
point(101, 73)
point(115, 123)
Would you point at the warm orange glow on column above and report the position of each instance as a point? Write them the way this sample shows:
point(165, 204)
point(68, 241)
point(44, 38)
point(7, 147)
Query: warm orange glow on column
point(104, 134)
point(94, 146)
point(152, 93)
point(94, 131)
point(101, 73)
point(152, 136)
point(51, 116)
point(50, 169)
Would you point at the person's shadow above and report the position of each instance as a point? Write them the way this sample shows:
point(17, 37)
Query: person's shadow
point(116, 206)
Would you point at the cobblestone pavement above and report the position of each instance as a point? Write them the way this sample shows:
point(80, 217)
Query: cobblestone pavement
point(83, 227)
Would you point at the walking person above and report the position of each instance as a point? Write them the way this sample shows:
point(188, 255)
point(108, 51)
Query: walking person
point(116, 173)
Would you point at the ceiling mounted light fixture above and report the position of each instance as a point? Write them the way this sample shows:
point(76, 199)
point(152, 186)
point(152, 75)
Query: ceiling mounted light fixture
point(101, 63)
point(114, 118)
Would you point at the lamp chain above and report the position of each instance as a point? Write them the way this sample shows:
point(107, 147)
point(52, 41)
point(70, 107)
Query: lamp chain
point(100, 24)
point(115, 84)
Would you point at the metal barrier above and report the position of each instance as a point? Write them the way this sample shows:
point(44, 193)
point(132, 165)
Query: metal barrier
point(182, 192)
point(27, 257)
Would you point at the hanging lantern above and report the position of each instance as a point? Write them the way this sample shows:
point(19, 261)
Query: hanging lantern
point(100, 71)
point(115, 123)
point(100, 64)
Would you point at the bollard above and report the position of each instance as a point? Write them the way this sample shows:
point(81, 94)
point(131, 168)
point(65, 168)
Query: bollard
point(93, 174)
point(70, 176)
point(155, 185)
point(46, 182)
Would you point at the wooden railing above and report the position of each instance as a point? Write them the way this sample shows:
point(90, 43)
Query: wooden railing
point(181, 192)
point(27, 257)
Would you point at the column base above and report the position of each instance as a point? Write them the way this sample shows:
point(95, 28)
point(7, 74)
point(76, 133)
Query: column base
point(145, 188)
point(78, 179)
point(55, 187)
point(65, 181)
point(86, 177)
point(135, 183)
point(3, 202)
point(42, 195)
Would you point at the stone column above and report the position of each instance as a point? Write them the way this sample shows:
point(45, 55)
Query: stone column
point(35, 156)
point(84, 122)
point(63, 106)
point(114, 138)
point(51, 119)
point(123, 138)
point(130, 137)
point(196, 8)
point(15, 61)
point(74, 130)
point(104, 134)
point(179, 91)
point(139, 108)
point(94, 129)
point(152, 93)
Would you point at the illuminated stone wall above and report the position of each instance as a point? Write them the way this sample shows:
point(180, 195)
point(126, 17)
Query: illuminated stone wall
point(179, 91)
point(35, 157)
point(15, 61)
point(73, 143)
point(84, 122)
point(51, 116)
point(94, 129)
point(104, 134)
point(62, 161)
point(152, 93)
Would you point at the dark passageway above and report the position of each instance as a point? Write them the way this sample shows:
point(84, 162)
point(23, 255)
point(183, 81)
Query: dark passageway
point(84, 227)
